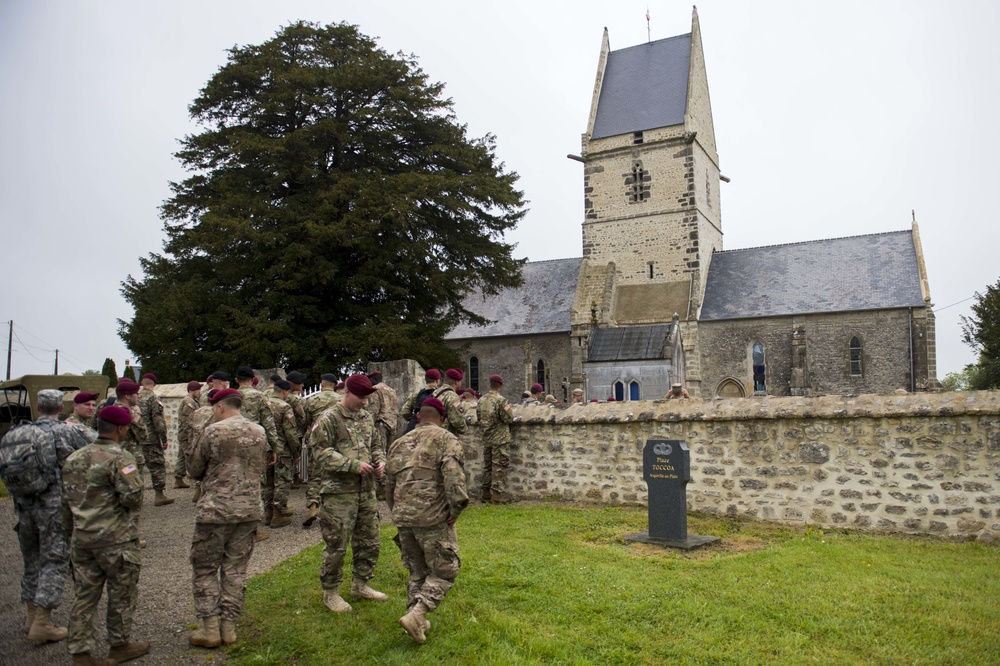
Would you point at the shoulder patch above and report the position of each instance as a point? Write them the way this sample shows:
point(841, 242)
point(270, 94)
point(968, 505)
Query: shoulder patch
point(128, 469)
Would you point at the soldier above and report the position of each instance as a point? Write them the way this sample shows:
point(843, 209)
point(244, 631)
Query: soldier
point(297, 403)
point(347, 463)
point(280, 474)
point(425, 490)
point(383, 405)
point(535, 396)
point(577, 396)
point(199, 421)
point(44, 546)
point(102, 492)
point(217, 380)
point(269, 393)
point(315, 405)
point(677, 392)
point(432, 380)
point(127, 396)
point(189, 405)
point(229, 459)
point(155, 443)
point(256, 409)
point(454, 421)
point(495, 418)
point(84, 407)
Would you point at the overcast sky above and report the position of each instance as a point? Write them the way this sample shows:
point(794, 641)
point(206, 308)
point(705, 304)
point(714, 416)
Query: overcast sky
point(832, 119)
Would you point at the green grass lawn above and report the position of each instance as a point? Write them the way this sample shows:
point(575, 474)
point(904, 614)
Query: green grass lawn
point(555, 584)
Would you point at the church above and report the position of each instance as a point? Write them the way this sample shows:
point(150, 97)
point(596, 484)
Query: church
point(656, 299)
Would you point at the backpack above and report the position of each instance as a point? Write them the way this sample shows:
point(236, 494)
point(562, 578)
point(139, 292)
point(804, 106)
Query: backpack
point(28, 461)
point(422, 395)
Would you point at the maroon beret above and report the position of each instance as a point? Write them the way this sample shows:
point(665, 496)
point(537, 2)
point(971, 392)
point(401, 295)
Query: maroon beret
point(469, 390)
point(127, 387)
point(116, 414)
point(452, 373)
point(537, 388)
point(210, 393)
point(194, 386)
point(340, 385)
point(432, 374)
point(496, 378)
point(435, 403)
point(84, 396)
point(255, 381)
point(222, 394)
point(150, 375)
point(359, 385)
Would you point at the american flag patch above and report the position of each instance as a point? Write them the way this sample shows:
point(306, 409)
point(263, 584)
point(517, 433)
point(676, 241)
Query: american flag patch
point(128, 469)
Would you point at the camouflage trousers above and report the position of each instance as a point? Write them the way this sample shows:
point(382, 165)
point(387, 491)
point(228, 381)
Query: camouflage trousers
point(284, 470)
point(219, 557)
point(431, 555)
point(180, 467)
point(267, 487)
point(496, 460)
point(156, 464)
point(118, 568)
point(44, 548)
point(349, 518)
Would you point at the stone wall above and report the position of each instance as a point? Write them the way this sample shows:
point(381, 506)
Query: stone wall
point(916, 463)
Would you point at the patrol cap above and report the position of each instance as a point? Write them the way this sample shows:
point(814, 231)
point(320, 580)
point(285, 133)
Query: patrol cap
point(50, 398)
point(435, 403)
point(676, 386)
point(221, 376)
point(194, 386)
point(127, 387)
point(359, 385)
point(116, 414)
point(149, 375)
point(244, 371)
point(496, 378)
point(296, 377)
point(84, 396)
point(282, 384)
point(577, 391)
point(452, 373)
point(537, 388)
point(329, 377)
point(433, 374)
point(222, 394)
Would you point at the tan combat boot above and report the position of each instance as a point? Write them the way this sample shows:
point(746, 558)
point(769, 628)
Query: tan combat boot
point(280, 520)
point(336, 603)
point(42, 630)
point(285, 511)
point(161, 500)
point(263, 532)
point(311, 516)
point(227, 631)
point(84, 659)
point(360, 590)
point(207, 634)
point(414, 622)
point(29, 607)
point(179, 482)
point(128, 651)
point(268, 515)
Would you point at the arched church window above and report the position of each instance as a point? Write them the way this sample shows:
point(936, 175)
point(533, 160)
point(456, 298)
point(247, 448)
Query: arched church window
point(855, 356)
point(474, 373)
point(619, 390)
point(637, 183)
point(759, 361)
point(540, 373)
point(633, 390)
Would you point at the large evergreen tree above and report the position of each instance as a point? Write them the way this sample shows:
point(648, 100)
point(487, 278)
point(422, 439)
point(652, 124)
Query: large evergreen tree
point(981, 331)
point(336, 213)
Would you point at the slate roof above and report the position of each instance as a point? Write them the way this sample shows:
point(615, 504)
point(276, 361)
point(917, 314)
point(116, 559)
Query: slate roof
point(644, 87)
point(628, 343)
point(871, 272)
point(540, 305)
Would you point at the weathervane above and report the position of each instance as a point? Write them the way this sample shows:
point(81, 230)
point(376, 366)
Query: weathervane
point(648, 38)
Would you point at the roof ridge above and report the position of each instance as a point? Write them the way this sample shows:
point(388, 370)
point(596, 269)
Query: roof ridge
point(542, 261)
point(655, 41)
point(818, 240)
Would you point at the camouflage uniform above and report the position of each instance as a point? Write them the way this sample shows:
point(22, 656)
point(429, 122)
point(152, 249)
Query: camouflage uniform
point(228, 458)
point(495, 418)
point(102, 495)
point(342, 440)
point(44, 546)
point(280, 475)
point(409, 409)
point(454, 419)
point(425, 490)
point(383, 405)
point(83, 426)
point(136, 434)
point(188, 407)
point(153, 446)
point(315, 405)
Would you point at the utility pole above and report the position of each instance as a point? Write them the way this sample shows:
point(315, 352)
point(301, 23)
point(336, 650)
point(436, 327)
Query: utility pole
point(10, 343)
point(56, 372)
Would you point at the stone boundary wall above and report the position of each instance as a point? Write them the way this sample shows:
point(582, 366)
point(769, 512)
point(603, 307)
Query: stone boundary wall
point(925, 463)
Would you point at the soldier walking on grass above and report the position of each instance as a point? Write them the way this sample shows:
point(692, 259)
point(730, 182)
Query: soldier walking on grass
point(102, 492)
point(426, 492)
point(229, 459)
point(155, 443)
point(314, 405)
point(495, 417)
point(347, 464)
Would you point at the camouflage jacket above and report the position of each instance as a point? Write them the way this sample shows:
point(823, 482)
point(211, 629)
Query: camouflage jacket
point(298, 405)
point(383, 405)
point(454, 419)
point(256, 409)
point(495, 418)
point(102, 489)
point(200, 420)
point(228, 459)
point(288, 429)
point(82, 426)
point(151, 410)
point(315, 405)
point(188, 407)
point(340, 441)
point(425, 480)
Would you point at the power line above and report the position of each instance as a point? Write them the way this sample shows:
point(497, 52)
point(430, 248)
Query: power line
point(26, 348)
point(936, 310)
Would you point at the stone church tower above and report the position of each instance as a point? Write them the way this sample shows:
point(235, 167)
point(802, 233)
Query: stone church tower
point(651, 193)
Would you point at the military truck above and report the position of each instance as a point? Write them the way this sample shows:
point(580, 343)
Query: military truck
point(19, 397)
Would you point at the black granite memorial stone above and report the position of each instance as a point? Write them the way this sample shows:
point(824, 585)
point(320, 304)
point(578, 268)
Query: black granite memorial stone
point(666, 468)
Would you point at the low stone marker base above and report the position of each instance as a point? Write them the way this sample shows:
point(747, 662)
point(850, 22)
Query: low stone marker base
point(692, 540)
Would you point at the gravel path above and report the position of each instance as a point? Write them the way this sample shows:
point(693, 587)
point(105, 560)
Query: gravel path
point(165, 610)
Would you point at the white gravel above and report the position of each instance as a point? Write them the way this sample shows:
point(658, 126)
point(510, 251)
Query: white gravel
point(165, 610)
